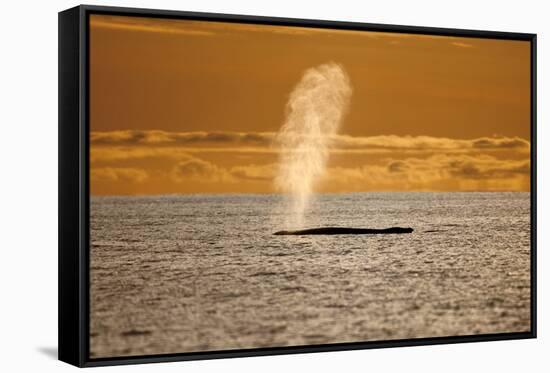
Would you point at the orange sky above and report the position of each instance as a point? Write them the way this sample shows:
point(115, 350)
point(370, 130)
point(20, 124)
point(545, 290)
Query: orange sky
point(189, 107)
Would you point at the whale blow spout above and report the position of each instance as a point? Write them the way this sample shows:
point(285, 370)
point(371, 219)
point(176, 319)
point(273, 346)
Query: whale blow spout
point(314, 112)
point(343, 230)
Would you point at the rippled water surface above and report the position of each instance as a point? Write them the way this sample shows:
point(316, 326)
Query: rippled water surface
point(204, 272)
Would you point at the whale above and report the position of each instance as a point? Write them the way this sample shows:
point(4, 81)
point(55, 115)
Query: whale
point(344, 230)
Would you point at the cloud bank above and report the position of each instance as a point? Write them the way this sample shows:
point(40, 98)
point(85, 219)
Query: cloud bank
point(256, 140)
point(231, 160)
point(439, 172)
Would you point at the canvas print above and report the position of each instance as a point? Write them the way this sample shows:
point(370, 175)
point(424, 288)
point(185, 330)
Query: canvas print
point(255, 185)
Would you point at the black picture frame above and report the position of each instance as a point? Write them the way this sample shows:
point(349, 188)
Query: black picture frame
point(74, 197)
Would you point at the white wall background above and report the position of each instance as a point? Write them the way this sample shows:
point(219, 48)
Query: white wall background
point(28, 187)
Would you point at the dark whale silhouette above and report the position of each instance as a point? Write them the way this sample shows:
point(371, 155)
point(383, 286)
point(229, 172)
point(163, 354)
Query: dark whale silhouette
point(343, 230)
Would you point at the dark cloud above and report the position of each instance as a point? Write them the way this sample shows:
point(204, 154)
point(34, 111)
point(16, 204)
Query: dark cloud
point(500, 142)
point(162, 138)
point(397, 166)
point(489, 169)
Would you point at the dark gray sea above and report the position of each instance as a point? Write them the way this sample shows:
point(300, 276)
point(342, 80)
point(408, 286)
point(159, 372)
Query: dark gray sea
point(203, 272)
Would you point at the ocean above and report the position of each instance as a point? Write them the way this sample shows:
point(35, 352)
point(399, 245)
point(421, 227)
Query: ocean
point(184, 273)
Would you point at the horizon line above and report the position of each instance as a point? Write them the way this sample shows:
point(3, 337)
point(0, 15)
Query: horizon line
point(284, 194)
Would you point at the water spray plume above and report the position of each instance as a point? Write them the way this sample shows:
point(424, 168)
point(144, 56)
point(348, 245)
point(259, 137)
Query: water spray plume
point(314, 113)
